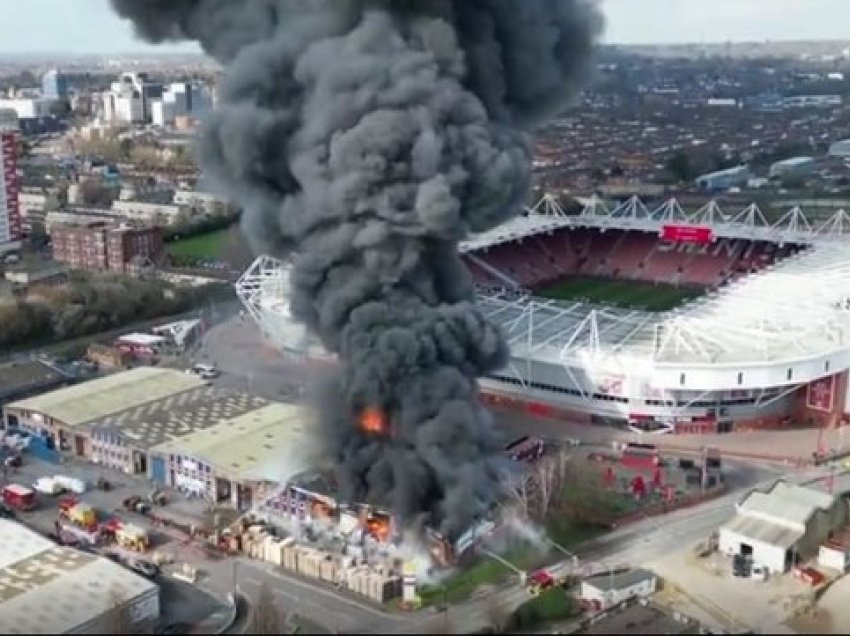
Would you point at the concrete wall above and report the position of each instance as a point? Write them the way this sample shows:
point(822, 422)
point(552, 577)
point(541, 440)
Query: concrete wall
point(139, 615)
point(770, 556)
point(822, 526)
point(607, 598)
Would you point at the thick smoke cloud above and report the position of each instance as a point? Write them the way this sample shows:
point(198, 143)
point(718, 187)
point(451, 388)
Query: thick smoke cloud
point(366, 139)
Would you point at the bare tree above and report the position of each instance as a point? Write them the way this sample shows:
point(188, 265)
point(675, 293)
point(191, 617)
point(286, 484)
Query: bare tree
point(265, 615)
point(519, 488)
point(546, 480)
point(563, 460)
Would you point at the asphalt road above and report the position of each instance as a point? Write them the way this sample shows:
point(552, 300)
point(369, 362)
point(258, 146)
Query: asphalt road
point(179, 601)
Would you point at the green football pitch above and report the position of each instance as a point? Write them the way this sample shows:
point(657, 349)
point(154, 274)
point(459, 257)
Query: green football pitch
point(629, 294)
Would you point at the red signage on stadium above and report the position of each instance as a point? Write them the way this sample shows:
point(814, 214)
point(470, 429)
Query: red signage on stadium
point(687, 234)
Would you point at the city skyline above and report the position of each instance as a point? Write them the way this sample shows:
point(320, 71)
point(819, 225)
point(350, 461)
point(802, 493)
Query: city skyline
point(90, 27)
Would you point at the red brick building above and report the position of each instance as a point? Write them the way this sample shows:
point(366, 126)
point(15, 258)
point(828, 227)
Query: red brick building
point(106, 247)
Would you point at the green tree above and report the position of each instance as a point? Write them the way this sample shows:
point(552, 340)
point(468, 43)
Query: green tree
point(679, 166)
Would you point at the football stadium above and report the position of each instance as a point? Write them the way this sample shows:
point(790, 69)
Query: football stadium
point(665, 320)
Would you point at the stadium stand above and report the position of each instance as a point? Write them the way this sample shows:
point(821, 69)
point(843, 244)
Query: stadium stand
point(632, 255)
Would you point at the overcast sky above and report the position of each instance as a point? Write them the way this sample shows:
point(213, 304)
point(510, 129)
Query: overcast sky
point(88, 26)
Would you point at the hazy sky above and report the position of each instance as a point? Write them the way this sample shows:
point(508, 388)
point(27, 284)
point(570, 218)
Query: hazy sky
point(88, 26)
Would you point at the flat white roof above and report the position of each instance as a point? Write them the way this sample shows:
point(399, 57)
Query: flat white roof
point(49, 589)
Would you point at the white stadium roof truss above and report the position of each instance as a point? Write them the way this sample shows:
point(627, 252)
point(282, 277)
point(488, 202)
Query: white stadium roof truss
point(632, 214)
point(795, 311)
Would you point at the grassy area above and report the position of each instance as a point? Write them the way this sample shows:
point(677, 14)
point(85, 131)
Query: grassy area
point(203, 246)
point(622, 293)
point(485, 571)
point(488, 571)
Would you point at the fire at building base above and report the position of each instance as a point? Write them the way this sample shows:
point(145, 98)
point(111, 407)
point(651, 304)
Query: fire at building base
point(356, 546)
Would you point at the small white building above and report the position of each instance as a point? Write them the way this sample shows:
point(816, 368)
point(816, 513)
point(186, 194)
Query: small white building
point(782, 526)
point(840, 149)
point(834, 557)
point(606, 590)
point(795, 166)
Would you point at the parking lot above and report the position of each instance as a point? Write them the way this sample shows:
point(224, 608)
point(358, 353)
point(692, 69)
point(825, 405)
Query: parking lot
point(180, 602)
point(736, 603)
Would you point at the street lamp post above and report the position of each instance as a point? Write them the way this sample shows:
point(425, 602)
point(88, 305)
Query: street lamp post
point(235, 584)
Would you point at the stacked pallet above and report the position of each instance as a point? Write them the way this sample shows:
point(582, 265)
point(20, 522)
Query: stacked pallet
point(383, 588)
point(273, 550)
point(328, 569)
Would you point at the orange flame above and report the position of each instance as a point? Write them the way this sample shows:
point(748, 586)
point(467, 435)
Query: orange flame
point(374, 421)
point(379, 528)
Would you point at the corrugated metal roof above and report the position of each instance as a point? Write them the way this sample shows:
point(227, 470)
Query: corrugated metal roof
point(49, 589)
point(620, 581)
point(786, 503)
point(780, 511)
point(94, 399)
point(763, 531)
point(270, 443)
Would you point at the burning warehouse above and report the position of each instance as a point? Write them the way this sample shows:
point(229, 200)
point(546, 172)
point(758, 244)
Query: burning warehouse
point(309, 502)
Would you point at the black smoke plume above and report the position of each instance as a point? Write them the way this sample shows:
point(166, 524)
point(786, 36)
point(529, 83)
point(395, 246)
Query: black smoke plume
point(366, 138)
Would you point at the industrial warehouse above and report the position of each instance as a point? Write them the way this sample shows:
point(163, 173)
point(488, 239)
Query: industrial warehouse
point(242, 459)
point(50, 589)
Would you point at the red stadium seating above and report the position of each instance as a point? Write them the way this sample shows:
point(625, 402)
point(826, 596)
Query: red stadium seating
point(632, 255)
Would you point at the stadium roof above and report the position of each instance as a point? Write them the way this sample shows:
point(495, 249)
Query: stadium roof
point(49, 589)
point(799, 308)
point(633, 214)
point(81, 403)
point(270, 443)
point(794, 313)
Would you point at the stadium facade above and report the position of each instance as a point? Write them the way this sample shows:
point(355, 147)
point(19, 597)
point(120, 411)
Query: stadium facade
point(766, 344)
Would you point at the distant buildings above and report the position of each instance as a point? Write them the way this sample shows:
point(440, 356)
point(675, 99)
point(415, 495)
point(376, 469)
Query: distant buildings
point(54, 86)
point(207, 204)
point(135, 99)
point(724, 179)
point(9, 120)
point(106, 247)
point(150, 213)
point(795, 166)
point(10, 215)
point(840, 149)
point(27, 107)
point(813, 101)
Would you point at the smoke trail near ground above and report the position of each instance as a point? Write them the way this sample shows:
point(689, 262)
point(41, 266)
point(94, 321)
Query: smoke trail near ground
point(366, 138)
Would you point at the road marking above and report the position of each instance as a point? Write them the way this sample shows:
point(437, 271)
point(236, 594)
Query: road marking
point(252, 581)
point(337, 597)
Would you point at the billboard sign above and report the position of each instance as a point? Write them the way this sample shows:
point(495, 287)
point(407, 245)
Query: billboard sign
point(687, 234)
point(820, 394)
